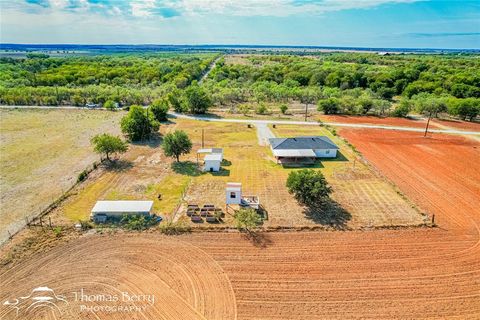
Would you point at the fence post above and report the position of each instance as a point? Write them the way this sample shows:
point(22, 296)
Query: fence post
point(433, 219)
point(50, 222)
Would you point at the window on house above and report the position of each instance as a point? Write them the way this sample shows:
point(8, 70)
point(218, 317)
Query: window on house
point(327, 152)
point(233, 195)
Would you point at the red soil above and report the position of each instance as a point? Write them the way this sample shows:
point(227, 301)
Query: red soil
point(388, 121)
point(457, 124)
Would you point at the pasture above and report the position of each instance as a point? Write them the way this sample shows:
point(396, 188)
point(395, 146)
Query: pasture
point(42, 152)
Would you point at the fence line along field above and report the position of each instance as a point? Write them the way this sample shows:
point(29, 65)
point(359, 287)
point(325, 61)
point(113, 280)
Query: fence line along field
point(42, 152)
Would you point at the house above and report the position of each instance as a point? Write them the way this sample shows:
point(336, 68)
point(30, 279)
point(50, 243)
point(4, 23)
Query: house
point(302, 149)
point(212, 160)
point(116, 209)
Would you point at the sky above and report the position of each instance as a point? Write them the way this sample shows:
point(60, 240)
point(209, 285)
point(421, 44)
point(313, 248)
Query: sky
point(354, 23)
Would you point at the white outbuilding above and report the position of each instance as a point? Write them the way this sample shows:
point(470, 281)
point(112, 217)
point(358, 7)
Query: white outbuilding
point(212, 161)
point(116, 209)
point(233, 193)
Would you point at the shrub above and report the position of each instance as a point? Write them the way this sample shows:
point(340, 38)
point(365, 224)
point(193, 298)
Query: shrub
point(244, 109)
point(109, 105)
point(261, 109)
point(283, 108)
point(137, 222)
point(82, 176)
point(159, 109)
point(246, 219)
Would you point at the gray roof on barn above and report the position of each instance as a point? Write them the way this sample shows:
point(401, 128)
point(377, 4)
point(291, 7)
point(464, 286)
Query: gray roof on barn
point(319, 142)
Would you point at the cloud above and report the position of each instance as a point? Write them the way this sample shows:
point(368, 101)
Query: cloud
point(444, 34)
point(174, 8)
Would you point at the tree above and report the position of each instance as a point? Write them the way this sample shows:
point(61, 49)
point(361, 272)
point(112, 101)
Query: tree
point(283, 108)
point(246, 219)
point(308, 186)
point(197, 99)
point(108, 145)
point(177, 143)
point(109, 105)
point(159, 109)
point(329, 106)
point(402, 109)
point(175, 99)
point(138, 124)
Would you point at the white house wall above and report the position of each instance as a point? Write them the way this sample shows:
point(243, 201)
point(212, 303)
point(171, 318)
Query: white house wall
point(325, 153)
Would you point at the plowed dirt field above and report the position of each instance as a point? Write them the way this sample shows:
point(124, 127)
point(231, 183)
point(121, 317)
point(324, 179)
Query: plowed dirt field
point(384, 274)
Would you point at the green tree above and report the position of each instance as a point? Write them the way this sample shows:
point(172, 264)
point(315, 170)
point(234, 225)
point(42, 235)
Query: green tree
point(283, 108)
point(402, 109)
point(197, 99)
point(109, 105)
point(159, 109)
point(175, 99)
point(175, 144)
point(107, 144)
point(138, 124)
point(329, 106)
point(308, 186)
point(246, 219)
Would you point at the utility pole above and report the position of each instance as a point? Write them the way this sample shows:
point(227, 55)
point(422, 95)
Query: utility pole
point(203, 138)
point(428, 122)
point(306, 111)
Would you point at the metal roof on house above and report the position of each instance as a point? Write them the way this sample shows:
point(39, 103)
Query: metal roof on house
point(122, 206)
point(292, 153)
point(318, 142)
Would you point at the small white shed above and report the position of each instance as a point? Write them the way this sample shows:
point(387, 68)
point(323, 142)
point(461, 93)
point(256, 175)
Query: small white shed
point(212, 162)
point(233, 193)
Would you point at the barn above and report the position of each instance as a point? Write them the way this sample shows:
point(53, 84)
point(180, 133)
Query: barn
point(116, 209)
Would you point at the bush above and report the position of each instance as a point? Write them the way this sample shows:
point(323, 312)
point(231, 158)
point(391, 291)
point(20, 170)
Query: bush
point(308, 186)
point(109, 105)
point(137, 222)
point(261, 109)
point(329, 106)
point(402, 109)
point(82, 176)
point(244, 109)
point(283, 108)
point(246, 219)
point(159, 109)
